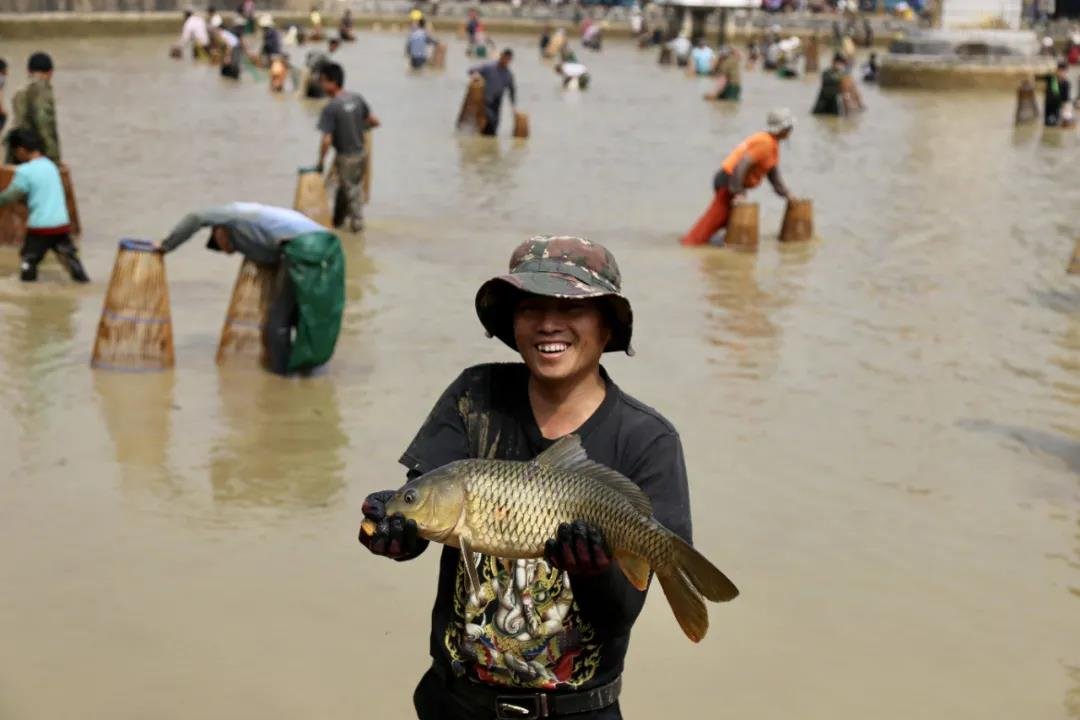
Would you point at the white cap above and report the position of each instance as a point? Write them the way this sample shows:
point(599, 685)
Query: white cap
point(779, 120)
point(215, 21)
point(266, 20)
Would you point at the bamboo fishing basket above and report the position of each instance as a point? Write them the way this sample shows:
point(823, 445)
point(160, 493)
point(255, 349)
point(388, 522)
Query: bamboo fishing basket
point(742, 228)
point(438, 56)
point(798, 222)
point(1027, 106)
point(242, 333)
point(521, 125)
point(812, 56)
point(472, 117)
point(1074, 264)
point(13, 217)
point(368, 149)
point(310, 197)
point(135, 332)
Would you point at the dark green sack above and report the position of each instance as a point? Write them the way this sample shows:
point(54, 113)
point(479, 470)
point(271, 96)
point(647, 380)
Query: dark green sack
point(317, 269)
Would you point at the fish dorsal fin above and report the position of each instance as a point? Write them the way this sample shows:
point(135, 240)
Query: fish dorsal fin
point(568, 454)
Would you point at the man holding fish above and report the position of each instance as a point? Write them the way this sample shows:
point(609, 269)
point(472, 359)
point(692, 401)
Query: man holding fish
point(555, 494)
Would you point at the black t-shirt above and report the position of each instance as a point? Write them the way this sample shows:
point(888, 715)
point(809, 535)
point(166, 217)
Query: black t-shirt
point(531, 628)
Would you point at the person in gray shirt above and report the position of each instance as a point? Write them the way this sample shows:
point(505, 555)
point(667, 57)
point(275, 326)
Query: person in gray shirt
point(497, 81)
point(259, 233)
point(342, 124)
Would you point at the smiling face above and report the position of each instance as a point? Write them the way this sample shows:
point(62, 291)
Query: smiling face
point(560, 339)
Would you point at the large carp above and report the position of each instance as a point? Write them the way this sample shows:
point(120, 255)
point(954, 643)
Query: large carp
point(509, 509)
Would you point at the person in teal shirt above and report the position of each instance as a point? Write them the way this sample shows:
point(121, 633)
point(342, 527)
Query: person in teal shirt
point(37, 181)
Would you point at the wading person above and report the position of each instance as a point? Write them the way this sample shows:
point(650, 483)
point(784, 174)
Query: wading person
point(417, 44)
point(3, 81)
point(195, 32)
point(498, 80)
point(304, 316)
point(703, 58)
point(1057, 95)
point(342, 123)
point(729, 76)
point(830, 99)
point(37, 182)
point(271, 45)
point(756, 157)
point(34, 107)
point(315, 62)
point(546, 637)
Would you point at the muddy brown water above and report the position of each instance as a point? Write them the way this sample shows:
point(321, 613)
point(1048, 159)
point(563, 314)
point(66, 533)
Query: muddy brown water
point(881, 427)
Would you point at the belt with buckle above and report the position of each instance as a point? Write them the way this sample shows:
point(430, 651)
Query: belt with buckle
point(535, 706)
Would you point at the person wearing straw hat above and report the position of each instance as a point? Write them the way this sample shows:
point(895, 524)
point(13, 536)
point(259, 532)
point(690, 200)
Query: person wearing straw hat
point(304, 316)
point(271, 46)
point(553, 633)
point(37, 182)
point(756, 157)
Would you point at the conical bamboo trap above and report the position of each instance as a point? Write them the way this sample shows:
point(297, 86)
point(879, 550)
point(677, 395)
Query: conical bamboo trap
point(135, 331)
point(241, 335)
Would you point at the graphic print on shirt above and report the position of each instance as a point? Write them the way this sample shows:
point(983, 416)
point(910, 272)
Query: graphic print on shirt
point(524, 630)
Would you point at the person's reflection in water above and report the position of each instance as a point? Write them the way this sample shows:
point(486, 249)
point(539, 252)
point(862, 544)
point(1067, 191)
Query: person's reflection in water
point(138, 411)
point(746, 328)
point(487, 172)
point(37, 345)
point(284, 442)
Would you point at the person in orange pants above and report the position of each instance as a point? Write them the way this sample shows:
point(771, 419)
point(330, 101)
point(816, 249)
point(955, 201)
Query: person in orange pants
point(755, 157)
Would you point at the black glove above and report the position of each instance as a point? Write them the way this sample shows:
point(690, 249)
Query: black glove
point(579, 549)
point(395, 537)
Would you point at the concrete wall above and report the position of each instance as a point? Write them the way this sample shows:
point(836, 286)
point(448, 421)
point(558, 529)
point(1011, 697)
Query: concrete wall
point(973, 13)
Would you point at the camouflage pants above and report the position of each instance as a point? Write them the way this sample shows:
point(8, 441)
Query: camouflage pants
point(349, 197)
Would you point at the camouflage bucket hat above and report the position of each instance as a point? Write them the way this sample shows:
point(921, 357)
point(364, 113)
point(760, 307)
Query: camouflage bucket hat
point(560, 267)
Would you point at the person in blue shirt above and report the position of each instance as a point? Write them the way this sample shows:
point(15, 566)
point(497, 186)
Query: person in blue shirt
point(704, 58)
point(498, 80)
point(416, 47)
point(37, 182)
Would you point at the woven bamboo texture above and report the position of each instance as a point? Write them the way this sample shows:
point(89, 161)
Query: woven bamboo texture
point(742, 229)
point(135, 331)
point(438, 56)
point(241, 335)
point(472, 117)
point(368, 150)
point(798, 222)
point(310, 197)
point(521, 125)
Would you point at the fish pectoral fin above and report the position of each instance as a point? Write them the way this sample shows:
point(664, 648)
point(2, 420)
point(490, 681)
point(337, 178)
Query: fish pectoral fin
point(470, 567)
point(634, 567)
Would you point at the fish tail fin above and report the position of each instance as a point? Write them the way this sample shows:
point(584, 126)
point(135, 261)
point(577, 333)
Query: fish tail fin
point(701, 573)
point(685, 602)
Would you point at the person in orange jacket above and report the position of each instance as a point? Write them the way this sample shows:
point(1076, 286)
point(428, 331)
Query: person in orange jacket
point(755, 157)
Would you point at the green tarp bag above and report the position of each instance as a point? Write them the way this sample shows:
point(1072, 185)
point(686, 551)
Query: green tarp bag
point(317, 270)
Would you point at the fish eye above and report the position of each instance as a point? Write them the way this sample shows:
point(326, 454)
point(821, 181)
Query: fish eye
point(410, 496)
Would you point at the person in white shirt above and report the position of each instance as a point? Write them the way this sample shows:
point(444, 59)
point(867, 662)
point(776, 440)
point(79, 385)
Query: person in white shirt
point(195, 32)
point(680, 48)
point(574, 75)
